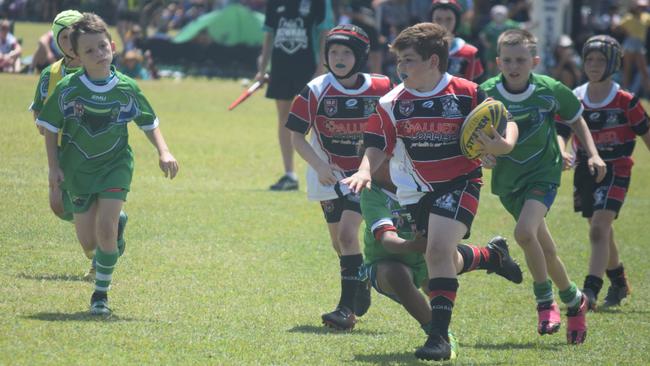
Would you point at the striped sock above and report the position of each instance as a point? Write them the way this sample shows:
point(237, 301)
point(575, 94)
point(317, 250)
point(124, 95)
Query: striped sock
point(543, 292)
point(105, 266)
point(474, 257)
point(571, 296)
point(442, 295)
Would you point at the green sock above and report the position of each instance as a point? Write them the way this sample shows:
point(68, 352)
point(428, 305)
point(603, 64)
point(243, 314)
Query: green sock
point(543, 291)
point(571, 296)
point(105, 266)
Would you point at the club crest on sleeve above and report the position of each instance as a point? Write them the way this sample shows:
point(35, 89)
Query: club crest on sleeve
point(406, 107)
point(331, 106)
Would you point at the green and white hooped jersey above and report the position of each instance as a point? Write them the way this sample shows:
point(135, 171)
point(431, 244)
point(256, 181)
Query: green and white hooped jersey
point(380, 211)
point(536, 156)
point(93, 119)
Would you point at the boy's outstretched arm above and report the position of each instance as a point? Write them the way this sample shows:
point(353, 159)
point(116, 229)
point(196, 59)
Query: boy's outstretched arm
point(596, 165)
point(166, 160)
point(371, 161)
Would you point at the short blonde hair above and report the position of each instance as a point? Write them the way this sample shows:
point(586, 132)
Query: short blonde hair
point(513, 37)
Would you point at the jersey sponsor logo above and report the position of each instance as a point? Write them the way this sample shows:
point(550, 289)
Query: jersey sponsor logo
point(450, 107)
point(428, 104)
point(281, 9)
point(406, 107)
point(351, 103)
point(331, 106)
point(369, 106)
point(101, 98)
point(291, 35)
point(594, 116)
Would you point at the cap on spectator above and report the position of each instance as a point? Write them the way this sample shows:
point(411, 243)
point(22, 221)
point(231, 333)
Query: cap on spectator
point(564, 41)
point(5, 25)
point(62, 21)
point(499, 12)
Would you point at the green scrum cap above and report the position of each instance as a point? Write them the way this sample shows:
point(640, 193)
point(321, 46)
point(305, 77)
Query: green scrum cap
point(62, 21)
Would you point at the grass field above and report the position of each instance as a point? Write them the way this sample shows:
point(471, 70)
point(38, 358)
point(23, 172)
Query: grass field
point(218, 270)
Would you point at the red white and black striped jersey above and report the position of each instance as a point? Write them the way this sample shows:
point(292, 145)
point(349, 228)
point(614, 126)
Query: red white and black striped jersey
point(337, 117)
point(614, 124)
point(464, 61)
point(422, 132)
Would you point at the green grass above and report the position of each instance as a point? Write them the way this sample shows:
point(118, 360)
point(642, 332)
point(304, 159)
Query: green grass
point(218, 270)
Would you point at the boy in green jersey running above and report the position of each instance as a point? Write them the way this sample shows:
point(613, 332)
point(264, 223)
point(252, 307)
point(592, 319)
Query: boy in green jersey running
point(50, 76)
point(94, 163)
point(527, 178)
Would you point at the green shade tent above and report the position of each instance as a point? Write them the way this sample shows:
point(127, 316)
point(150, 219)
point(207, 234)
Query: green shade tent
point(233, 25)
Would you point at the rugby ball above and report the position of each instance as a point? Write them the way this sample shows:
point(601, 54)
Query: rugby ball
point(489, 113)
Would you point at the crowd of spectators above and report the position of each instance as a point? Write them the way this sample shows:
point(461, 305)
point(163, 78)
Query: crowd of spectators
point(482, 21)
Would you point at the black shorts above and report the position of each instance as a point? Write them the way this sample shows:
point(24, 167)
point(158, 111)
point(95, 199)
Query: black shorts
point(459, 202)
point(287, 87)
point(589, 196)
point(333, 209)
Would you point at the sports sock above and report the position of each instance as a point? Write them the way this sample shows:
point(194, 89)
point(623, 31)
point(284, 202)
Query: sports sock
point(443, 296)
point(543, 292)
point(105, 266)
point(350, 265)
point(571, 296)
point(617, 276)
point(593, 283)
point(476, 257)
point(291, 175)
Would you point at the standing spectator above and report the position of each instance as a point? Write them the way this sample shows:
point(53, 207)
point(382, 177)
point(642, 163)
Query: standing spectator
point(290, 46)
point(635, 25)
point(10, 49)
point(490, 34)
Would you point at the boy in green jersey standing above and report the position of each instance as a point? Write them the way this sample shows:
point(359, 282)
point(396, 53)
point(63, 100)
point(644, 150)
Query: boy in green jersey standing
point(527, 178)
point(94, 163)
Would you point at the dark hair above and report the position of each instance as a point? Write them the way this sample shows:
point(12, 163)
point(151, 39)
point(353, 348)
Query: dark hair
point(426, 39)
point(89, 23)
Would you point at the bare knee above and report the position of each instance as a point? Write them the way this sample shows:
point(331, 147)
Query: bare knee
point(439, 252)
point(599, 235)
point(348, 239)
point(524, 236)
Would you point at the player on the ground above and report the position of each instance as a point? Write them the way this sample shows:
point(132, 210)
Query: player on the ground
point(394, 255)
point(614, 117)
point(93, 163)
point(50, 76)
point(335, 108)
point(527, 178)
point(418, 124)
point(463, 57)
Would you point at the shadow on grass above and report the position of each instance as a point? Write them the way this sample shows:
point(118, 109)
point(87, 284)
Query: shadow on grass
point(81, 316)
point(408, 358)
point(324, 330)
point(513, 345)
point(618, 310)
point(51, 277)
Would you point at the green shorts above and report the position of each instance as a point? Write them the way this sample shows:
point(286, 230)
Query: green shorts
point(419, 272)
point(80, 203)
point(542, 192)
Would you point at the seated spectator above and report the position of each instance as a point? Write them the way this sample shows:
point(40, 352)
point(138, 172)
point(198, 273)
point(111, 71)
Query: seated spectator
point(46, 53)
point(565, 66)
point(131, 65)
point(10, 49)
